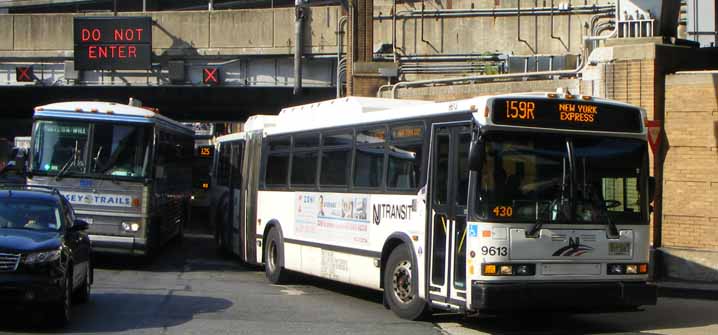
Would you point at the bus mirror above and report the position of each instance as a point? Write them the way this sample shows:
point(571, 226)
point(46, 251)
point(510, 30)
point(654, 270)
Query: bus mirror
point(476, 154)
point(651, 188)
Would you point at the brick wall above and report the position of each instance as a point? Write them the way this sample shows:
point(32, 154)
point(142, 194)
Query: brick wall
point(690, 179)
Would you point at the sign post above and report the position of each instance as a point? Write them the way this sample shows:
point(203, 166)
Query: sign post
point(113, 43)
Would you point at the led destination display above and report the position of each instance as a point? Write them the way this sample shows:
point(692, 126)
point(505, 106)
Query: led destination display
point(565, 114)
point(113, 43)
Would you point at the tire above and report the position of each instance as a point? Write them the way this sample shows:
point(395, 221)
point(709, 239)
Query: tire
point(60, 312)
point(274, 258)
point(401, 286)
point(84, 291)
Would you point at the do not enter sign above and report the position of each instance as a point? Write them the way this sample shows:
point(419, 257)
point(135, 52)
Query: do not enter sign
point(113, 43)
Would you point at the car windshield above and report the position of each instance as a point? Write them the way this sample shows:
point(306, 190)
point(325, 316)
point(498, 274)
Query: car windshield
point(62, 147)
point(30, 214)
point(531, 178)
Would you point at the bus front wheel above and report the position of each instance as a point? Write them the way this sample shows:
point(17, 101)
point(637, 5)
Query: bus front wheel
point(274, 258)
point(401, 286)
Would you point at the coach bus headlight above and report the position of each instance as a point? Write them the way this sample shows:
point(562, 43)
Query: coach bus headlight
point(631, 269)
point(131, 227)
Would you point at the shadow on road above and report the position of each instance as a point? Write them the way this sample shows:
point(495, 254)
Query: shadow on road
point(669, 314)
point(117, 312)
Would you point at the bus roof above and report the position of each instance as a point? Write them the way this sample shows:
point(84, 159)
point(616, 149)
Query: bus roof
point(358, 110)
point(106, 111)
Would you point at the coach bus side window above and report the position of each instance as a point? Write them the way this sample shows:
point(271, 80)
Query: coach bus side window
point(336, 158)
point(304, 160)
point(369, 160)
point(277, 166)
point(223, 165)
point(405, 157)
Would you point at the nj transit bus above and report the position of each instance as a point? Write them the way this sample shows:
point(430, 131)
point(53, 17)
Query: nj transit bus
point(125, 169)
point(491, 204)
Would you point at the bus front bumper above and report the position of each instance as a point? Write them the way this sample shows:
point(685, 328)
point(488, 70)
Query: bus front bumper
point(118, 245)
point(570, 297)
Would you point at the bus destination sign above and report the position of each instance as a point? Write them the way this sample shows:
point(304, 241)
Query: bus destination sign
point(565, 114)
point(113, 43)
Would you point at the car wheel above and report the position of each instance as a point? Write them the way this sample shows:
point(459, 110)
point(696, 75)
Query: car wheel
point(61, 311)
point(83, 293)
point(274, 258)
point(401, 286)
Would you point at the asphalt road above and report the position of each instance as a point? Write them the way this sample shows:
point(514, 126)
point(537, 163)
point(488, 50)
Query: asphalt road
point(189, 290)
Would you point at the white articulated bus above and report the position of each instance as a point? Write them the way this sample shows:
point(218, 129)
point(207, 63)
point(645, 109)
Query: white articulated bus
point(125, 169)
point(490, 204)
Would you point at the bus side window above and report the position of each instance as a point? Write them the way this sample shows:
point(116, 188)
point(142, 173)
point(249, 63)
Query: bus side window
point(369, 158)
point(304, 160)
point(276, 171)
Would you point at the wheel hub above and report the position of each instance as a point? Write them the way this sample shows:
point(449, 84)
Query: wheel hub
point(401, 281)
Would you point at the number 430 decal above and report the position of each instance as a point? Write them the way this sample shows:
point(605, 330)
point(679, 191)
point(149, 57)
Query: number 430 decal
point(494, 251)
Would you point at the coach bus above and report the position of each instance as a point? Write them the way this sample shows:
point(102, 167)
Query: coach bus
point(125, 169)
point(491, 204)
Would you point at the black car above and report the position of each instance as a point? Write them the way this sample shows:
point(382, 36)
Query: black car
point(44, 252)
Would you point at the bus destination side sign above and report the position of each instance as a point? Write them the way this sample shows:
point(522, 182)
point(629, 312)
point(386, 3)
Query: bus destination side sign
point(566, 114)
point(113, 43)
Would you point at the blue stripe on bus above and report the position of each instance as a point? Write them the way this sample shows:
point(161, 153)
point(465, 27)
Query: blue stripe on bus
point(93, 116)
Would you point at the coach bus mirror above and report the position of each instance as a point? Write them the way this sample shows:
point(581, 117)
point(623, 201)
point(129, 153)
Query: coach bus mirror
point(80, 225)
point(651, 188)
point(476, 154)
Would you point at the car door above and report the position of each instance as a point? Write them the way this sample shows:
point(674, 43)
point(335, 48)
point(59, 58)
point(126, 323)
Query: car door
point(79, 244)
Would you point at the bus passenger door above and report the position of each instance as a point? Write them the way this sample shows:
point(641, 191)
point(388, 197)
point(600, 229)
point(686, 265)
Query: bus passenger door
point(447, 217)
point(236, 218)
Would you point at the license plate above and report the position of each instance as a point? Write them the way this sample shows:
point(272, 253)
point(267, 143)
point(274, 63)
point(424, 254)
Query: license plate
point(619, 248)
point(88, 220)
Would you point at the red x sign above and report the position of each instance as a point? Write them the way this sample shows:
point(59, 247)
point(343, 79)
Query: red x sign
point(210, 76)
point(24, 74)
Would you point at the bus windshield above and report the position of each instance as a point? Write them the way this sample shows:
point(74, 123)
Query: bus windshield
point(62, 147)
point(555, 179)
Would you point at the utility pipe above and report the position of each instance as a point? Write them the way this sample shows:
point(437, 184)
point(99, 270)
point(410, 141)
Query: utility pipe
point(393, 30)
point(417, 14)
point(340, 33)
point(477, 78)
point(298, 45)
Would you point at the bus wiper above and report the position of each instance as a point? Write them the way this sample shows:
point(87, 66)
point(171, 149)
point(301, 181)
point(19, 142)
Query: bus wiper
point(560, 217)
point(74, 158)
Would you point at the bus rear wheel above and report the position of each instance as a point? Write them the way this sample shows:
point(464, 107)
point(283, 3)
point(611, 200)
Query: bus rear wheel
point(401, 286)
point(274, 258)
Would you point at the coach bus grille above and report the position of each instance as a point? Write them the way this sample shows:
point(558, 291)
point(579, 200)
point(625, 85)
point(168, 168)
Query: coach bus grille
point(9, 262)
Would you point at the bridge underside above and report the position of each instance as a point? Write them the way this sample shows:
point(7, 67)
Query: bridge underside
point(179, 103)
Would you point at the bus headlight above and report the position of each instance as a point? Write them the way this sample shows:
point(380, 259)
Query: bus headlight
point(627, 269)
point(131, 227)
point(508, 269)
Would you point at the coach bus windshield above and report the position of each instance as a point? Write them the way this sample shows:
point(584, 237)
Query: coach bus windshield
point(554, 179)
point(117, 150)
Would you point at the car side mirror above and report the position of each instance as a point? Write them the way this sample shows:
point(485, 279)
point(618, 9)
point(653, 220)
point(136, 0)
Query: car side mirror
point(80, 225)
point(651, 188)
